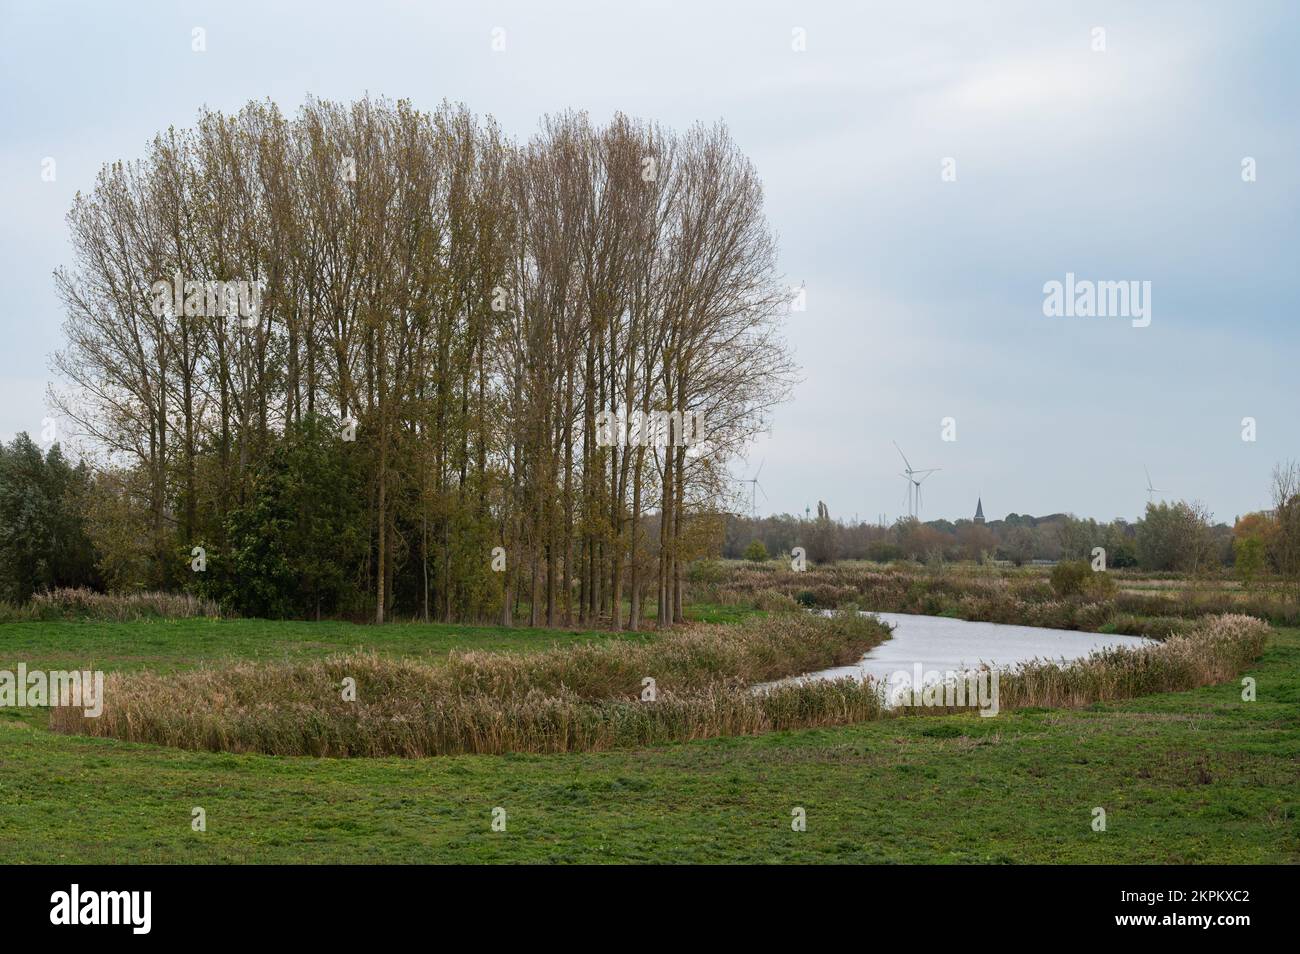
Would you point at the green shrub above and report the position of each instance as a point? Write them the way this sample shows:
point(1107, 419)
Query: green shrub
point(1069, 576)
point(706, 571)
point(773, 599)
point(1099, 585)
point(296, 546)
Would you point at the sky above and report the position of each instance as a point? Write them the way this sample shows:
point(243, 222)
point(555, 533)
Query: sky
point(928, 169)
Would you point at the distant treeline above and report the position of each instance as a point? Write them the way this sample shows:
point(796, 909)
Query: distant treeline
point(1177, 536)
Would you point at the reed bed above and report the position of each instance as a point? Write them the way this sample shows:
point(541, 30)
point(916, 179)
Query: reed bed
point(457, 724)
point(583, 697)
point(759, 649)
point(1215, 650)
point(73, 604)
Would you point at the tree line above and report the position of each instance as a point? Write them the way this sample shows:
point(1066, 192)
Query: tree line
point(368, 359)
point(1174, 536)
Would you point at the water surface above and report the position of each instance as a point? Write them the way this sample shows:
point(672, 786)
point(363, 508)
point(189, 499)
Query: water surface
point(942, 644)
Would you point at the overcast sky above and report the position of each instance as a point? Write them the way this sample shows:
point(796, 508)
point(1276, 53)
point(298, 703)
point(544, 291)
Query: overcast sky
point(924, 296)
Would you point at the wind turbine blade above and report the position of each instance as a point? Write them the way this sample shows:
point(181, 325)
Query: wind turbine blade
point(760, 489)
point(760, 468)
point(902, 455)
point(1148, 473)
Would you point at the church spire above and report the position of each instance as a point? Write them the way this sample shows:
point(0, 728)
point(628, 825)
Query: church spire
point(979, 510)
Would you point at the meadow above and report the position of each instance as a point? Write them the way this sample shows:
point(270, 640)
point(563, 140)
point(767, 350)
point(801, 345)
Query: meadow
point(1199, 775)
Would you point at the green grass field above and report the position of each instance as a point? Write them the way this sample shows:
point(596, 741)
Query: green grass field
point(1190, 777)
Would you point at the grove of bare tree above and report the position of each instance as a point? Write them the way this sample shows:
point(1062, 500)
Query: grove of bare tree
point(463, 311)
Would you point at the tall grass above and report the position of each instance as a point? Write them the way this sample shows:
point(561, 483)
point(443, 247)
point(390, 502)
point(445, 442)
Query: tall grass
point(73, 604)
point(418, 726)
point(1218, 649)
point(1215, 650)
point(581, 697)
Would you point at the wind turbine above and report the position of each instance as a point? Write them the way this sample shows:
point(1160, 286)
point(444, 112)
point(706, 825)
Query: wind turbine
point(754, 488)
point(914, 480)
point(1150, 489)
